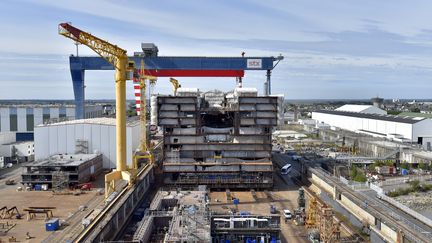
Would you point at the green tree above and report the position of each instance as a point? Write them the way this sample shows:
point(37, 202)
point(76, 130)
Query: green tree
point(353, 172)
point(416, 110)
point(360, 177)
point(404, 165)
point(423, 166)
point(393, 112)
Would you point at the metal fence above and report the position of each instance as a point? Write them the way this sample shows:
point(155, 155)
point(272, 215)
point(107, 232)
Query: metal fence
point(401, 180)
point(376, 188)
point(354, 184)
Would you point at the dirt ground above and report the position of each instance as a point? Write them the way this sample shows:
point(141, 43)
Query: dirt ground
point(65, 206)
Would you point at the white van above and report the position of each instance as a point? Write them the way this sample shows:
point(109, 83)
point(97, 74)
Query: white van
point(286, 169)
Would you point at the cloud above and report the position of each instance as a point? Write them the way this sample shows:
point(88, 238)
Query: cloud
point(332, 49)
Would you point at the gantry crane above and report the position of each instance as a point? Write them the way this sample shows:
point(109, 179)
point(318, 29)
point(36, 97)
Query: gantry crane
point(119, 59)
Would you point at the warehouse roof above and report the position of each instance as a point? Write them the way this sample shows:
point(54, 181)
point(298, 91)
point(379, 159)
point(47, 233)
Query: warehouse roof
point(95, 121)
point(392, 118)
point(362, 109)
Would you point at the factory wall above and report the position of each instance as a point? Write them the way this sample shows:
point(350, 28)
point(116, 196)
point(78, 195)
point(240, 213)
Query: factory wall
point(100, 138)
point(7, 137)
point(427, 143)
point(377, 126)
point(422, 129)
point(23, 119)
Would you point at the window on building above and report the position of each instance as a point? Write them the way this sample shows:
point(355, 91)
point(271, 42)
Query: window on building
point(46, 114)
point(420, 140)
point(46, 117)
point(13, 122)
point(30, 122)
point(62, 112)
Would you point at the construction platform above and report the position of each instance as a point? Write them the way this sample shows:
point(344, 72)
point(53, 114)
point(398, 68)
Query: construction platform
point(62, 171)
point(176, 216)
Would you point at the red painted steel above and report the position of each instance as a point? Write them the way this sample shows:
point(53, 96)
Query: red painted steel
point(195, 73)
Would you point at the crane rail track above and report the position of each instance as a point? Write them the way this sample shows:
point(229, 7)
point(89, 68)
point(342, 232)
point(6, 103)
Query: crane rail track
point(92, 226)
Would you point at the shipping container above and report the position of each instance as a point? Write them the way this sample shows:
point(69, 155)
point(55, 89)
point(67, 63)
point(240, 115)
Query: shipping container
point(52, 224)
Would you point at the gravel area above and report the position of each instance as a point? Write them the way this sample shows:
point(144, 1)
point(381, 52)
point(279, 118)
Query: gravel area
point(419, 201)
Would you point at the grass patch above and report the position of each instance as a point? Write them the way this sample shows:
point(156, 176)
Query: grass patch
point(357, 175)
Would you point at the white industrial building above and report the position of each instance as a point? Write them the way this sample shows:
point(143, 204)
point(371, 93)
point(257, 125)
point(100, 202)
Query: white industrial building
point(96, 135)
point(23, 118)
point(17, 151)
point(408, 129)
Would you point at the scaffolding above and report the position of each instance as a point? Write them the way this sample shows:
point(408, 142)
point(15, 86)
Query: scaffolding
point(60, 180)
point(329, 230)
point(175, 155)
point(81, 146)
point(311, 216)
point(321, 218)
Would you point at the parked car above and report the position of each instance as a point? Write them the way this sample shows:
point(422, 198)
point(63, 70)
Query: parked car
point(287, 214)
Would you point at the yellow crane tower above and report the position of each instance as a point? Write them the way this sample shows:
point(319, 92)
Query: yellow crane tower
point(119, 59)
point(144, 151)
point(175, 83)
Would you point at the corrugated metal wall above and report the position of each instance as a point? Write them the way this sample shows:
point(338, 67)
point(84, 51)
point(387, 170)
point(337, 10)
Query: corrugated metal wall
point(50, 140)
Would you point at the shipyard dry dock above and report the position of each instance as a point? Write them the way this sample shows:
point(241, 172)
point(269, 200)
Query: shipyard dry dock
point(222, 140)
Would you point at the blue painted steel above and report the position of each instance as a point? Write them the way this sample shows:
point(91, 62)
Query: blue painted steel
point(77, 73)
point(78, 65)
point(175, 63)
point(24, 136)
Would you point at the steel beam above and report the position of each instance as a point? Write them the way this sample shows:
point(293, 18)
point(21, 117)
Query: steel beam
point(163, 66)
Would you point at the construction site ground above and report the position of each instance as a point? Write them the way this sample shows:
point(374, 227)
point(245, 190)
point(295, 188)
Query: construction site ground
point(283, 196)
point(66, 208)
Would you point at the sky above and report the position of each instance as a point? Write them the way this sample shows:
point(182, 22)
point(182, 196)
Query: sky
point(333, 49)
